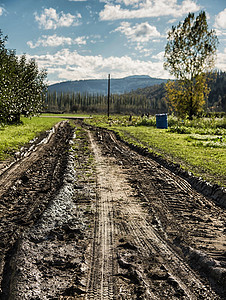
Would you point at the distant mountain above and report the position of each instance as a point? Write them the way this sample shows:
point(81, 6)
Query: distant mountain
point(100, 86)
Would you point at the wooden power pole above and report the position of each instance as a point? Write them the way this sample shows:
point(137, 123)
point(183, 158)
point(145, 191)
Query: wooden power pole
point(108, 95)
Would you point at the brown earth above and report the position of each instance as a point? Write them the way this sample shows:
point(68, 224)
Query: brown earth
point(85, 217)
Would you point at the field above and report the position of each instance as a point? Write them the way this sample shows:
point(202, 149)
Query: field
point(198, 146)
point(84, 216)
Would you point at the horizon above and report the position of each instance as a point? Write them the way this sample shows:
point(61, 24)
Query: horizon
point(111, 78)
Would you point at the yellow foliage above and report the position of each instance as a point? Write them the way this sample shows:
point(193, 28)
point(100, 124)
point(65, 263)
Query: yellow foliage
point(187, 97)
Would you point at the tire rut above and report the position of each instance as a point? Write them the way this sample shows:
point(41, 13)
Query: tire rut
point(178, 225)
point(26, 189)
point(101, 281)
point(125, 235)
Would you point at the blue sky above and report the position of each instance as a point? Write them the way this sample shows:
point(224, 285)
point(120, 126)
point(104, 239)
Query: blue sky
point(86, 39)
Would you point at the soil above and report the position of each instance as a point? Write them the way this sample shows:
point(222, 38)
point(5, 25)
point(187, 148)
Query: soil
point(85, 217)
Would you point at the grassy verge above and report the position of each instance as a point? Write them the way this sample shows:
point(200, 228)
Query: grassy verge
point(12, 137)
point(198, 146)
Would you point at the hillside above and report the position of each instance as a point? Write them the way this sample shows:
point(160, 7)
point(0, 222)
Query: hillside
point(143, 95)
point(99, 86)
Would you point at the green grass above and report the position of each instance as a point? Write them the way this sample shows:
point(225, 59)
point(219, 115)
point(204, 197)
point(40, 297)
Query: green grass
point(12, 137)
point(65, 115)
point(199, 148)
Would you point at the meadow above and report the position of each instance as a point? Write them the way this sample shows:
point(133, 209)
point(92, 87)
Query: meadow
point(198, 146)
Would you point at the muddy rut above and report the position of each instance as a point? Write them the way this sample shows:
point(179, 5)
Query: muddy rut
point(85, 217)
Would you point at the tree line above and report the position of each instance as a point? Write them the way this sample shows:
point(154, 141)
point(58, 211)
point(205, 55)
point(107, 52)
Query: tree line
point(217, 96)
point(149, 100)
point(128, 103)
point(22, 85)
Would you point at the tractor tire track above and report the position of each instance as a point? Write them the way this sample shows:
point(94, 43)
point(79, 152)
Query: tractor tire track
point(125, 240)
point(101, 279)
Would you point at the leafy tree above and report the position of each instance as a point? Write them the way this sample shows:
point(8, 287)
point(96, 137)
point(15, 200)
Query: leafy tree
point(31, 86)
point(190, 53)
point(22, 85)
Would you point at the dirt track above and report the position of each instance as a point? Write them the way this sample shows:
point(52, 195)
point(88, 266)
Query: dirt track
point(103, 222)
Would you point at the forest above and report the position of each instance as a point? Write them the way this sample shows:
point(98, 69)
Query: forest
point(129, 103)
point(149, 100)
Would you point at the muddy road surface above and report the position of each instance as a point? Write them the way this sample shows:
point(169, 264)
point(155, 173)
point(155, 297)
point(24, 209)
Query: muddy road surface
point(85, 217)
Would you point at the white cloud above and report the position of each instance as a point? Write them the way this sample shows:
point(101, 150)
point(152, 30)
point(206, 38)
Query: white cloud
point(149, 8)
point(171, 21)
point(1, 11)
point(159, 56)
point(220, 20)
point(81, 40)
point(68, 65)
point(50, 19)
point(54, 41)
point(144, 52)
point(134, 3)
point(94, 38)
point(139, 33)
point(220, 32)
point(221, 60)
point(106, 1)
point(50, 41)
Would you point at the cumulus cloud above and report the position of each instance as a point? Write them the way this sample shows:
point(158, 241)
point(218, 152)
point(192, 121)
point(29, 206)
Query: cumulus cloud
point(159, 56)
point(50, 41)
point(134, 3)
point(148, 8)
point(220, 20)
point(1, 11)
point(55, 41)
point(67, 65)
point(139, 33)
point(50, 19)
point(221, 60)
point(81, 40)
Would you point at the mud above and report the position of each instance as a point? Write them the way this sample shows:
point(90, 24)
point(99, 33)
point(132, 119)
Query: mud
point(83, 216)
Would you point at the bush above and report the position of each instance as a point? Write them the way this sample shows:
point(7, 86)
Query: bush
point(180, 129)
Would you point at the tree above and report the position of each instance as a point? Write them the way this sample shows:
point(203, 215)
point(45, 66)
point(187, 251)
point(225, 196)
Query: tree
point(31, 86)
point(22, 85)
point(190, 53)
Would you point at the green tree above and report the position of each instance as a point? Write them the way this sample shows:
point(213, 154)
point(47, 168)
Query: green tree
point(31, 87)
point(190, 53)
point(22, 85)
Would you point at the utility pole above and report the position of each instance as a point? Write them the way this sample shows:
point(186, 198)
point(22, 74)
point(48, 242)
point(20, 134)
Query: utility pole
point(108, 94)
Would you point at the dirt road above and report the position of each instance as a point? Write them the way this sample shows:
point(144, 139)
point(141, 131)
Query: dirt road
point(85, 217)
